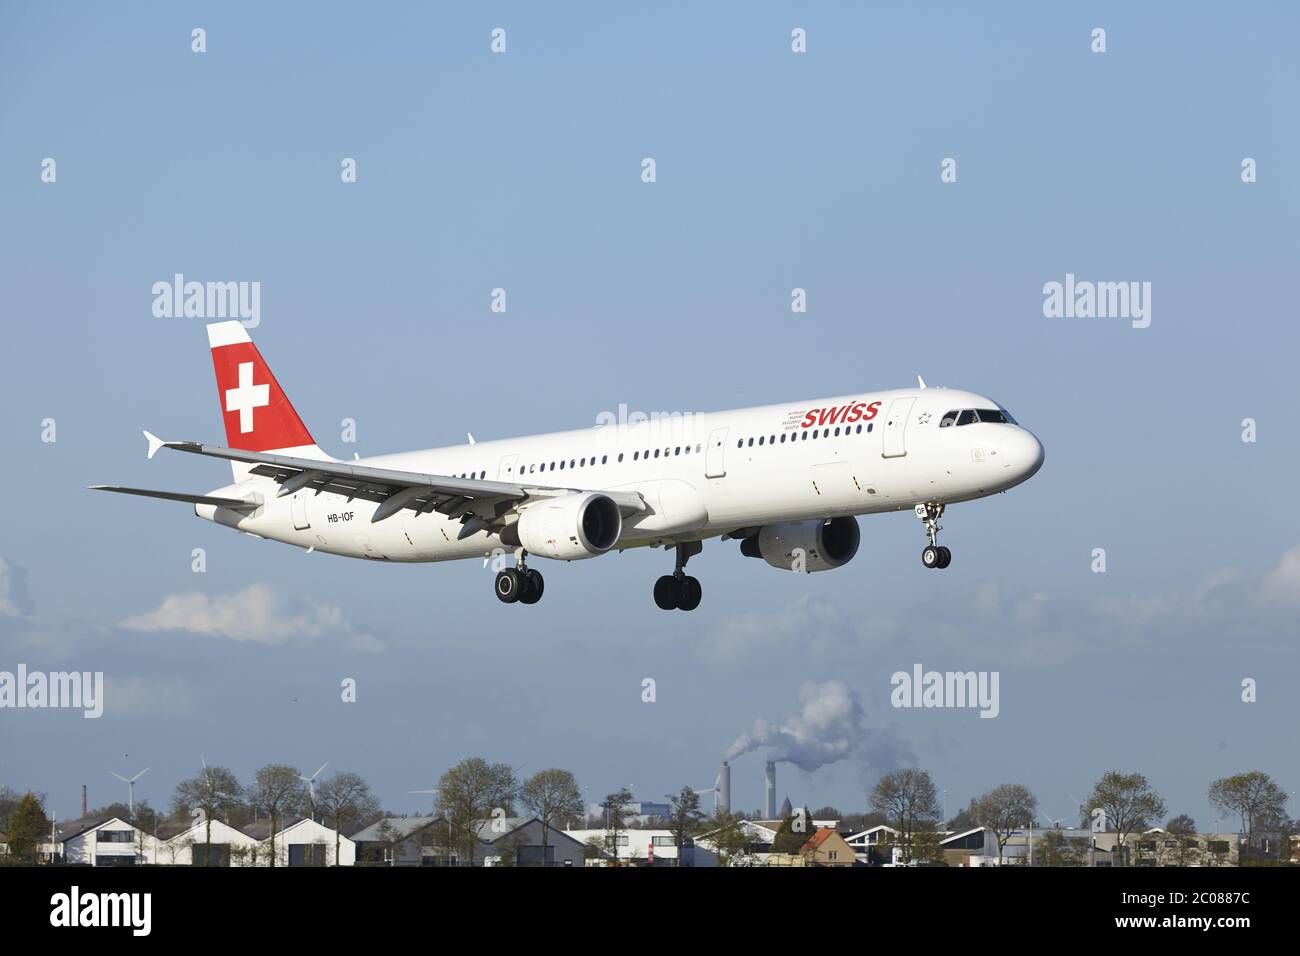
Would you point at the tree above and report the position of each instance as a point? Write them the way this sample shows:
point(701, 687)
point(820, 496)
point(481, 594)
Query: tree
point(278, 791)
point(728, 836)
point(27, 827)
point(1005, 809)
point(215, 791)
point(345, 797)
point(906, 796)
point(615, 806)
point(551, 795)
point(964, 819)
point(793, 833)
point(1059, 849)
point(1253, 796)
point(684, 817)
point(1182, 825)
point(469, 794)
point(1129, 804)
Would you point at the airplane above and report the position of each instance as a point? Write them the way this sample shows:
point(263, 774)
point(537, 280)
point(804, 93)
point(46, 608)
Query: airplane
point(788, 481)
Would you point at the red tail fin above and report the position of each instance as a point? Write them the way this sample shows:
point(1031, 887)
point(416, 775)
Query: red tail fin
point(257, 413)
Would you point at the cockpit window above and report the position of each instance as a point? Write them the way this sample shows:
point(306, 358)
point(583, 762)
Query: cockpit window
point(969, 416)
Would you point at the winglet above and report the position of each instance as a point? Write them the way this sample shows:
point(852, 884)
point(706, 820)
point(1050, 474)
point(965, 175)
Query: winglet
point(154, 443)
point(920, 381)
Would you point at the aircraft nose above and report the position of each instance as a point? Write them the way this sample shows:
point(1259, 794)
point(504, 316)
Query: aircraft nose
point(1022, 453)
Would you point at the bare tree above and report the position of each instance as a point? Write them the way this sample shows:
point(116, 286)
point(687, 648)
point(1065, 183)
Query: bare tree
point(906, 796)
point(278, 791)
point(215, 791)
point(1253, 796)
point(1129, 804)
point(345, 797)
point(1005, 809)
point(616, 814)
point(551, 795)
point(471, 793)
point(684, 817)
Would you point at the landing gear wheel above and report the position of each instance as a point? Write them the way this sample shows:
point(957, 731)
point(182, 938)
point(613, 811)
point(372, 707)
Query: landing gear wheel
point(666, 592)
point(931, 557)
point(690, 594)
point(532, 587)
point(508, 585)
point(945, 557)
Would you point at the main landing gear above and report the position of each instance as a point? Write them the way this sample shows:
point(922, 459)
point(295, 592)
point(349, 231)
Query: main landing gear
point(679, 590)
point(933, 556)
point(520, 583)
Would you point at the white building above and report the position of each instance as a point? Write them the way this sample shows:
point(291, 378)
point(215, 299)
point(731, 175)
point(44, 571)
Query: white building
point(646, 847)
point(305, 843)
point(112, 842)
point(229, 847)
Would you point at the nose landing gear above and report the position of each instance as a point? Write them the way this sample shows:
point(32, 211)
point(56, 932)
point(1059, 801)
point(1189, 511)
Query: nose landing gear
point(933, 556)
point(679, 590)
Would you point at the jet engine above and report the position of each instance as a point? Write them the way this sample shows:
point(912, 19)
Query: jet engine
point(817, 545)
point(570, 527)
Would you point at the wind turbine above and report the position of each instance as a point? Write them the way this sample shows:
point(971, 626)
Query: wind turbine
point(130, 787)
point(717, 785)
point(311, 786)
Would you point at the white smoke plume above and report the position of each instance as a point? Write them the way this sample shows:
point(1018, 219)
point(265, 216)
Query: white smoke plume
point(827, 728)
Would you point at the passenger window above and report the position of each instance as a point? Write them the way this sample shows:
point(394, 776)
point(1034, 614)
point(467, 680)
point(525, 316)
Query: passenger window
point(751, 443)
point(656, 452)
point(636, 456)
point(760, 441)
point(837, 431)
point(805, 436)
point(678, 451)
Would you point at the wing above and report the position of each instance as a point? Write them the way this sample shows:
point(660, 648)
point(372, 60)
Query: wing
point(478, 504)
point(237, 504)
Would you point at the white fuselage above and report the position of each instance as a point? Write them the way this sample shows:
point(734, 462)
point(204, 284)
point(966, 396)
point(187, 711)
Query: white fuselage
point(701, 474)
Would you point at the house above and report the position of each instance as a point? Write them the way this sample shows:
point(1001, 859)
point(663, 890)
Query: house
point(873, 844)
point(827, 848)
point(111, 842)
point(517, 841)
point(304, 843)
point(401, 841)
point(189, 846)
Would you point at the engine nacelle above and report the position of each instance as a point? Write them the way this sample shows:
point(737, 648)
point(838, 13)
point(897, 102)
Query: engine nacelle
point(570, 527)
point(822, 544)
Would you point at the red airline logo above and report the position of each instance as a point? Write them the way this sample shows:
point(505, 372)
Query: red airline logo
point(840, 414)
point(257, 414)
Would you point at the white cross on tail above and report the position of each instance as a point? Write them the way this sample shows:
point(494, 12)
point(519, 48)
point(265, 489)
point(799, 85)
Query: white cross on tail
point(247, 397)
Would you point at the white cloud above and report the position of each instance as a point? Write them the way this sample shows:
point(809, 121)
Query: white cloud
point(1282, 584)
point(257, 614)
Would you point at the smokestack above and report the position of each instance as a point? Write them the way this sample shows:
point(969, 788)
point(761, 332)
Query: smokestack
point(769, 791)
point(84, 808)
point(724, 788)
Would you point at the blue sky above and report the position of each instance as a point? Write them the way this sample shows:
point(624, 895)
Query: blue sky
point(775, 170)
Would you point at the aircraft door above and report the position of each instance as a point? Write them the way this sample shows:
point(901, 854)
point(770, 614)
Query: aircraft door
point(900, 409)
point(714, 464)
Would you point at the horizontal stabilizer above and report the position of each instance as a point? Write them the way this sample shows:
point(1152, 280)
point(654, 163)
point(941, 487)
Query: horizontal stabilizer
point(238, 504)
